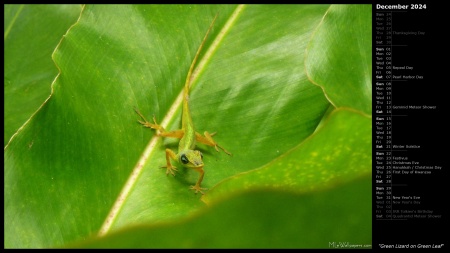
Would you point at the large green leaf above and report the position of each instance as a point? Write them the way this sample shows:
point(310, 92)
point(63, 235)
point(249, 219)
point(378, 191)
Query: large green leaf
point(31, 33)
point(83, 165)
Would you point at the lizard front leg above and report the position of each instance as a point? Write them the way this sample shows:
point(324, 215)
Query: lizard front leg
point(169, 167)
point(197, 187)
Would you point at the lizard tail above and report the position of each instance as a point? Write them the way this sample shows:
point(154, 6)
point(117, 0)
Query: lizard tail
point(191, 68)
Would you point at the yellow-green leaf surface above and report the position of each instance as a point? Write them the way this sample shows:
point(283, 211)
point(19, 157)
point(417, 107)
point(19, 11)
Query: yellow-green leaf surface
point(83, 167)
point(31, 33)
point(339, 57)
point(338, 218)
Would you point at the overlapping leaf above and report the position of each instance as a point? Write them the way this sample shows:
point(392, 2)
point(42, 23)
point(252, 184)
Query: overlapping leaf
point(339, 218)
point(31, 33)
point(339, 57)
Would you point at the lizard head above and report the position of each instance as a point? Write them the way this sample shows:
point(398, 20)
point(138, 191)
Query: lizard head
point(191, 158)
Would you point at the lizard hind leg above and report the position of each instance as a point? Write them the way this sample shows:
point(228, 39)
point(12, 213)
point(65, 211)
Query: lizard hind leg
point(197, 187)
point(216, 146)
point(208, 140)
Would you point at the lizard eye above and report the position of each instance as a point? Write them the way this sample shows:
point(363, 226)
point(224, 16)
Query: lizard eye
point(184, 159)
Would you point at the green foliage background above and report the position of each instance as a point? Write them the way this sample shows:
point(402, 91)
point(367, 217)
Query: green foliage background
point(287, 88)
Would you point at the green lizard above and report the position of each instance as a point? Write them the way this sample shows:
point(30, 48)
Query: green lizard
point(187, 155)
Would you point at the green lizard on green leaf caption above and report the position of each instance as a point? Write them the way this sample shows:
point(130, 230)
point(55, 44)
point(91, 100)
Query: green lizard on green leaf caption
point(187, 155)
